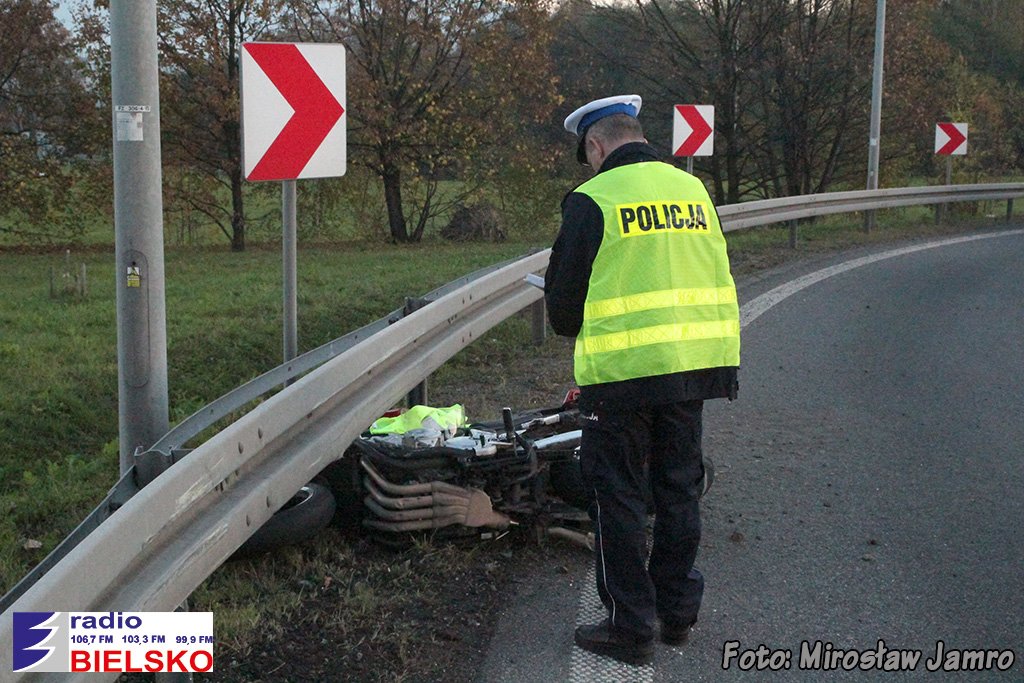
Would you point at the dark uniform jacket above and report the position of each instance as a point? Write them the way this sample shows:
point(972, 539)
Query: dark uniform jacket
point(565, 291)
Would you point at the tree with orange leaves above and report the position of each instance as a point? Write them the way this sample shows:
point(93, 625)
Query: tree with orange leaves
point(444, 87)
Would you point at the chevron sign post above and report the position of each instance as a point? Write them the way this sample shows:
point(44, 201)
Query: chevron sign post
point(950, 141)
point(293, 126)
point(293, 106)
point(951, 138)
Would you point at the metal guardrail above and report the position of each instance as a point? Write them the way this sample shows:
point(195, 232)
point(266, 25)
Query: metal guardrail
point(783, 209)
point(164, 540)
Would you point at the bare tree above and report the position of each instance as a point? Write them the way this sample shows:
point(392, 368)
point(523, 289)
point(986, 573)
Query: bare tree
point(200, 46)
point(788, 79)
point(814, 92)
point(440, 83)
point(710, 48)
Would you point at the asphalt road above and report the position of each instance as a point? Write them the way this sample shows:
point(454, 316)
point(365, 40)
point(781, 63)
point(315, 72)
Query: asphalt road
point(871, 486)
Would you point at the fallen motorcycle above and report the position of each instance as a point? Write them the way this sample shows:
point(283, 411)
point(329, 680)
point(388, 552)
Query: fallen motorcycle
point(473, 483)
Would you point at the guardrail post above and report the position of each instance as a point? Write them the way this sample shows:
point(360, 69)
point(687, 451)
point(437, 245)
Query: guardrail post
point(1009, 209)
point(149, 465)
point(418, 395)
point(539, 320)
point(794, 234)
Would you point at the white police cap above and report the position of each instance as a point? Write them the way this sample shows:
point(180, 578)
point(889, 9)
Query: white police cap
point(584, 117)
point(581, 119)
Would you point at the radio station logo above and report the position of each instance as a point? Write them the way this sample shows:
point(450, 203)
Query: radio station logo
point(106, 642)
point(34, 640)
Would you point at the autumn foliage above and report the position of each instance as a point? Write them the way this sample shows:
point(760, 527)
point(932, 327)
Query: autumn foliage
point(459, 102)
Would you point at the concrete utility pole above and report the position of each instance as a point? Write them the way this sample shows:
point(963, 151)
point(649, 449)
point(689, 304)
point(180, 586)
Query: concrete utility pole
point(138, 228)
point(874, 140)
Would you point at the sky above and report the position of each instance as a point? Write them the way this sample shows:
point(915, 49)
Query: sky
point(63, 12)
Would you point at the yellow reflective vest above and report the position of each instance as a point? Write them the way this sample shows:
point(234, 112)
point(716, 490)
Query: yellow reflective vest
point(661, 298)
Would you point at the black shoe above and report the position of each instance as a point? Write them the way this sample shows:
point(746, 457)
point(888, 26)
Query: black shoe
point(599, 639)
point(675, 634)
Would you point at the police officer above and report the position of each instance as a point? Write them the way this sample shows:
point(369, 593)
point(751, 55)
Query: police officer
point(639, 275)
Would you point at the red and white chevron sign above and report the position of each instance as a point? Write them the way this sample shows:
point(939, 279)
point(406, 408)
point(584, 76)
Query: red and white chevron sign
point(693, 130)
point(951, 138)
point(293, 106)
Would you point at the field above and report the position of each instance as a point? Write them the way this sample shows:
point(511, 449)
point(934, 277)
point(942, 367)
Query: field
point(58, 420)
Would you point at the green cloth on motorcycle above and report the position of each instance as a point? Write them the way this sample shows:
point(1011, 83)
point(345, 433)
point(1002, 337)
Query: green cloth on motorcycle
point(423, 417)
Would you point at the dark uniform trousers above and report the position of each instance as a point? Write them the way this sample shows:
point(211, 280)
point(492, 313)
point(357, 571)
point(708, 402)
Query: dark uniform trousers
point(613, 451)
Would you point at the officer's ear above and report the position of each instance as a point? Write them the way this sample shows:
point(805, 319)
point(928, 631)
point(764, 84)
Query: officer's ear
point(595, 150)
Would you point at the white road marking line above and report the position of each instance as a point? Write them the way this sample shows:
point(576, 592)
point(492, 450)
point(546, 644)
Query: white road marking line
point(586, 667)
point(752, 310)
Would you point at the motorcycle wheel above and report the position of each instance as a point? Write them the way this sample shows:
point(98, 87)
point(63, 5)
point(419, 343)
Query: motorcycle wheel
point(300, 519)
point(344, 478)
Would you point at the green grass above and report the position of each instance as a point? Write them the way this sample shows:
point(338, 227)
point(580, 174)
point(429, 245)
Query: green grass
point(58, 378)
